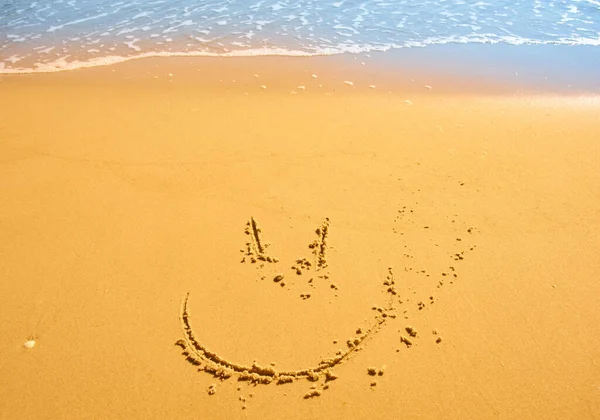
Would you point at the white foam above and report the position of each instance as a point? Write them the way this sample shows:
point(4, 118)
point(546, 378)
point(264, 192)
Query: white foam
point(74, 22)
point(594, 2)
point(16, 38)
point(141, 14)
point(179, 25)
point(127, 31)
point(14, 59)
point(61, 64)
point(131, 44)
point(348, 28)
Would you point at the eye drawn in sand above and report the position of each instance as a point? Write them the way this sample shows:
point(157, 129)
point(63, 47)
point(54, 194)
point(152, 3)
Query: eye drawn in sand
point(318, 248)
point(256, 249)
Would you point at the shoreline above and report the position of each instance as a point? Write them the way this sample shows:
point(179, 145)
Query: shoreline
point(450, 68)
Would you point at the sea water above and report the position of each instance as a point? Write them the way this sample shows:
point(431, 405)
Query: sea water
point(54, 35)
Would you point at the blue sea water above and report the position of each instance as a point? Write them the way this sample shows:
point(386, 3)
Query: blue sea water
point(53, 35)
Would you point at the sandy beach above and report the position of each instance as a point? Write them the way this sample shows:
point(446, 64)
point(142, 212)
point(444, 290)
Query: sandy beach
point(393, 247)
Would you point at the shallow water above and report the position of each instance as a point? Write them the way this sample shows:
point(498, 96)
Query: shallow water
point(50, 35)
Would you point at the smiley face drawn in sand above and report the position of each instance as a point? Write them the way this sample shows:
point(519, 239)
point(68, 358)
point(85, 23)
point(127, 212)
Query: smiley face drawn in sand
point(321, 372)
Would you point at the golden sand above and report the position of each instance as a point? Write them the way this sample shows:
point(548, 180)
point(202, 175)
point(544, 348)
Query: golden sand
point(328, 225)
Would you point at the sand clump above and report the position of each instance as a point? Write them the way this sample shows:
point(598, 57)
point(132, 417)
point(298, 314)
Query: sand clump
point(302, 264)
point(312, 394)
point(411, 331)
point(373, 371)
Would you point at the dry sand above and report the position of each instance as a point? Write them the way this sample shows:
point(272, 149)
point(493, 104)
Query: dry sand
point(454, 236)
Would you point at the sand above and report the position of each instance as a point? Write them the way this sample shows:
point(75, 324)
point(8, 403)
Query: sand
point(393, 251)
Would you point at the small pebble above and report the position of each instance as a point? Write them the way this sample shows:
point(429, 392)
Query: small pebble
point(29, 344)
point(349, 83)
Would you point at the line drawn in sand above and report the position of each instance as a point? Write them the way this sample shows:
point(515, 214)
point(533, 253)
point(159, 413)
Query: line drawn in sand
point(256, 249)
point(222, 368)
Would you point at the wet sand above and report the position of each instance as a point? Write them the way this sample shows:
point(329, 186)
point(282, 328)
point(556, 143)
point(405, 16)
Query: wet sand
point(408, 249)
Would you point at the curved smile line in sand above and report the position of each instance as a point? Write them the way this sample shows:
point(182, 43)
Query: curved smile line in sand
point(221, 368)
